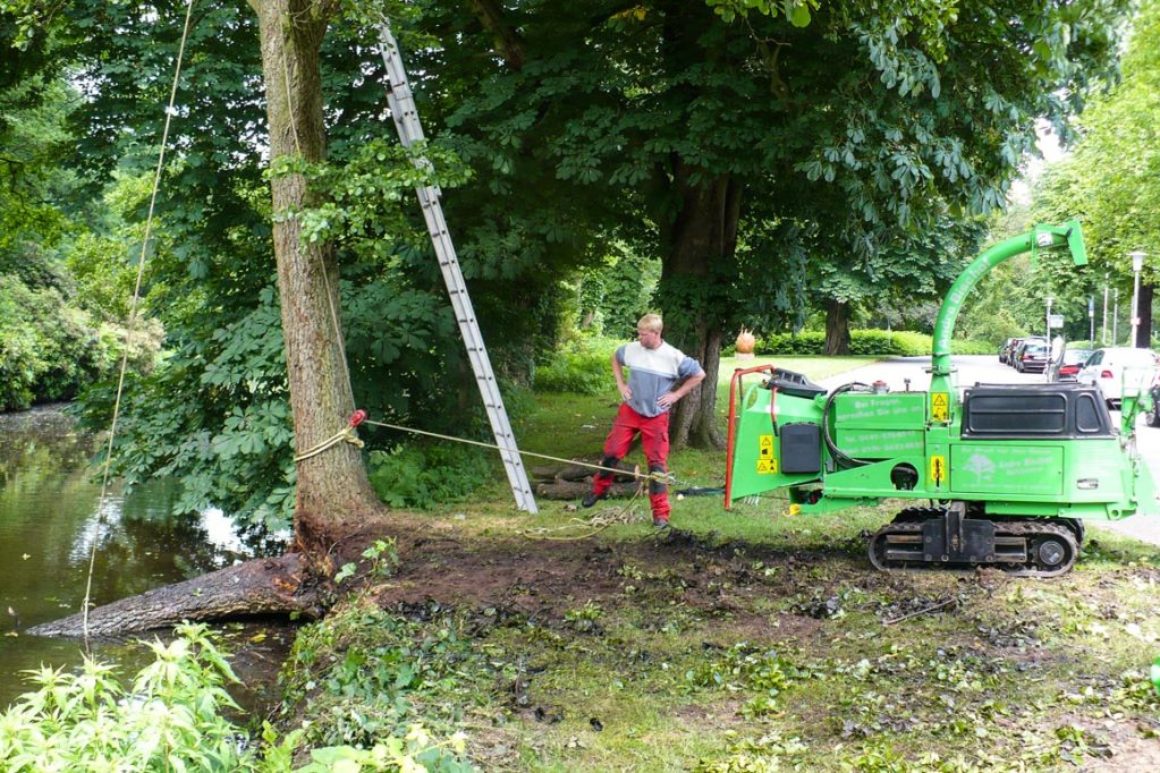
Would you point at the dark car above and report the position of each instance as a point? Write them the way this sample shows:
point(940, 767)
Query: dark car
point(1006, 349)
point(1031, 356)
point(1066, 368)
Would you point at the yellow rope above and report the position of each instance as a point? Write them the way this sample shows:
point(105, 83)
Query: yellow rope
point(346, 434)
point(608, 516)
point(658, 477)
point(133, 316)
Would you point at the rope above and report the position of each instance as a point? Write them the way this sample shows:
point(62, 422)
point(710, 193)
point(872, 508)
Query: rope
point(608, 516)
point(658, 477)
point(133, 316)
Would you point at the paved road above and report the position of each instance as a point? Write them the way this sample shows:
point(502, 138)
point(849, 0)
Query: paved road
point(987, 369)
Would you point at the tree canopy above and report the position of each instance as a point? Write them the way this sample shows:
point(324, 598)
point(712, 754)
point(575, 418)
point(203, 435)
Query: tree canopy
point(768, 154)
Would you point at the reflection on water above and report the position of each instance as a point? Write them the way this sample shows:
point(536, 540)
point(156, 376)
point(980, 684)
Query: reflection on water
point(52, 524)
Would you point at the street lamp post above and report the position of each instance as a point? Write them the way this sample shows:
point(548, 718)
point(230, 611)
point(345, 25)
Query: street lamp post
point(1115, 316)
point(1104, 327)
point(1047, 363)
point(1092, 321)
point(1137, 264)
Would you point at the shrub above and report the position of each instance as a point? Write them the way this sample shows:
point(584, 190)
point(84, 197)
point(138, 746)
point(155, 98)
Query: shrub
point(581, 366)
point(424, 476)
point(883, 343)
point(172, 719)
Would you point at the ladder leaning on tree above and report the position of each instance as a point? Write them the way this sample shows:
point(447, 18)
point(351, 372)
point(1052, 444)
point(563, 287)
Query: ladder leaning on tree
point(406, 119)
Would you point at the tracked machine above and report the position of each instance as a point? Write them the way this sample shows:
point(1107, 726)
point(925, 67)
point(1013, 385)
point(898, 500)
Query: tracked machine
point(1001, 475)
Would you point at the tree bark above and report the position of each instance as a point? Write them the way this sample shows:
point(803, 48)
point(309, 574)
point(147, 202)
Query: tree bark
point(332, 486)
point(264, 586)
point(837, 328)
point(703, 234)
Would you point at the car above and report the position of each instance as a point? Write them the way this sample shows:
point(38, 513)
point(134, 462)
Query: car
point(1119, 370)
point(1007, 354)
point(1068, 367)
point(1031, 356)
point(1006, 349)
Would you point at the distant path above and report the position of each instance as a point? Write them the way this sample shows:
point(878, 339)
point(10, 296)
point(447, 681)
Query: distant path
point(987, 369)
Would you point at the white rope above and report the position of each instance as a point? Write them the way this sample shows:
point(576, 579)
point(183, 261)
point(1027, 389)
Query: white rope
point(133, 315)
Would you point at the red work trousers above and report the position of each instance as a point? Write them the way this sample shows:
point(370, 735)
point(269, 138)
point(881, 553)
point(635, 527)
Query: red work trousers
point(654, 437)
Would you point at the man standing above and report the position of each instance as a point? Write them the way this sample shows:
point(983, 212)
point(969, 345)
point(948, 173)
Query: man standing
point(658, 376)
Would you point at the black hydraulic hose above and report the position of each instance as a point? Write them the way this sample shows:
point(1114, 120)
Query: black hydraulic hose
point(841, 458)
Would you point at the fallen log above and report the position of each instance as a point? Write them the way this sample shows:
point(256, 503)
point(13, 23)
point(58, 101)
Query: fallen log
point(578, 472)
point(261, 586)
point(576, 490)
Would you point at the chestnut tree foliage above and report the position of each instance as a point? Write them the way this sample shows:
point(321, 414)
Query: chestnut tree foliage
point(772, 155)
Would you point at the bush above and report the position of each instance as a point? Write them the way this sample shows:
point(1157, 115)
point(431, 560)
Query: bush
point(581, 367)
point(425, 476)
point(172, 719)
point(882, 343)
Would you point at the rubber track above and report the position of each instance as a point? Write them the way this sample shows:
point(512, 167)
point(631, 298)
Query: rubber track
point(910, 521)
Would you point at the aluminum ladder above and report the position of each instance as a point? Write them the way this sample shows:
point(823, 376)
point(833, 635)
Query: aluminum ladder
point(406, 118)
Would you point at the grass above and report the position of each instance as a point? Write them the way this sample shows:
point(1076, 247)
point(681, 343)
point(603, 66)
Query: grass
point(742, 640)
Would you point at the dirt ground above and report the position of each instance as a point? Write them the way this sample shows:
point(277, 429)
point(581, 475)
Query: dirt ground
point(760, 592)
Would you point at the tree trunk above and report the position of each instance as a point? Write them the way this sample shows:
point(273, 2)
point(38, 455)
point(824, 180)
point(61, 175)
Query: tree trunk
point(1144, 312)
point(837, 328)
point(264, 586)
point(332, 485)
point(703, 235)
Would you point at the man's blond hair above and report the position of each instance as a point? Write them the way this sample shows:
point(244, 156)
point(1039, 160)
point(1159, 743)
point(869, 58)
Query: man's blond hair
point(650, 322)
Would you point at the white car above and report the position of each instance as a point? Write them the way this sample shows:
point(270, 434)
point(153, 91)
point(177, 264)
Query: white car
point(1118, 371)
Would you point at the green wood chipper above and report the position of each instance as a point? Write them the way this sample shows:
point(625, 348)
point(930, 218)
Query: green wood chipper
point(1000, 475)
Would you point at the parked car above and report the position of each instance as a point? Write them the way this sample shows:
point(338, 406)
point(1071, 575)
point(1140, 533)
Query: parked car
point(1068, 367)
point(1031, 356)
point(1006, 349)
point(1119, 370)
point(1007, 353)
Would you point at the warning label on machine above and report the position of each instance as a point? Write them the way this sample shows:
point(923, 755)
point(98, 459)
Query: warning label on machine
point(940, 403)
point(766, 461)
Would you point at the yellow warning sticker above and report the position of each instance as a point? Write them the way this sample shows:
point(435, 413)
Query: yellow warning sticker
point(938, 469)
point(940, 404)
point(766, 462)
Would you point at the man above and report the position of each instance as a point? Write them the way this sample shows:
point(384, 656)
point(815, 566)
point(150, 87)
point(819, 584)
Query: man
point(658, 376)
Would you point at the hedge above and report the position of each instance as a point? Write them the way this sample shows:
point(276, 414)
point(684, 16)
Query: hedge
point(904, 343)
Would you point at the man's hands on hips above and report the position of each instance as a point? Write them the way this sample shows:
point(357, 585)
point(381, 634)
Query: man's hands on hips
point(668, 399)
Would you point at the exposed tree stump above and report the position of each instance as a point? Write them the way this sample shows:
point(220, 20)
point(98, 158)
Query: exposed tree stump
point(262, 586)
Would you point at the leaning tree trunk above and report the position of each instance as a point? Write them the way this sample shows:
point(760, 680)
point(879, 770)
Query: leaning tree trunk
point(703, 234)
point(332, 486)
point(837, 328)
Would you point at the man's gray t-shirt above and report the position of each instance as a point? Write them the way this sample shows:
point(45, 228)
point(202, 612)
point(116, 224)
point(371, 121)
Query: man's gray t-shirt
point(652, 372)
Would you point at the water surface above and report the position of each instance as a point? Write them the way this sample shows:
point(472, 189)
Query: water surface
point(52, 525)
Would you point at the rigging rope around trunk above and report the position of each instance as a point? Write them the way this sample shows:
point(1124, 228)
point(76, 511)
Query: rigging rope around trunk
point(133, 304)
point(360, 416)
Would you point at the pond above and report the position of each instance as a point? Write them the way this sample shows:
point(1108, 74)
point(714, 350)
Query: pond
point(52, 526)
